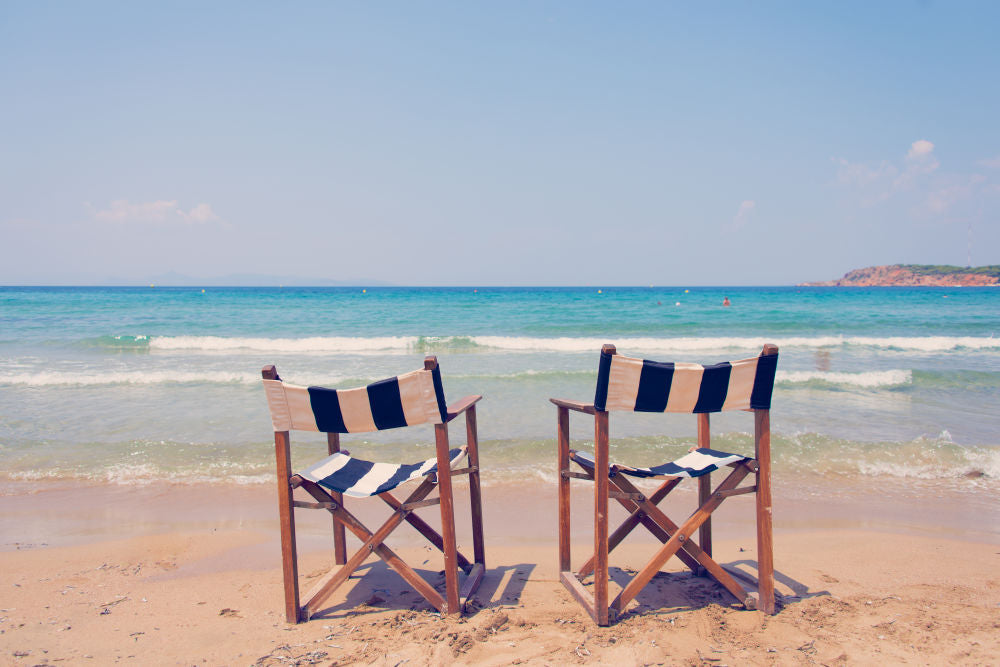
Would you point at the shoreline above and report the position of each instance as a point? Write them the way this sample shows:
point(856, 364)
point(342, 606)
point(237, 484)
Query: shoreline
point(68, 513)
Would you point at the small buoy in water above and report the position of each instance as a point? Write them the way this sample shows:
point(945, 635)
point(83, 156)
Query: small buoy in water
point(203, 291)
point(600, 291)
point(475, 291)
point(678, 303)
point(686, 291)
point(364, 291)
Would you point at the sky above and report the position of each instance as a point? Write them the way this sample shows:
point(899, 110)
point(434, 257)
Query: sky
point(496, 143)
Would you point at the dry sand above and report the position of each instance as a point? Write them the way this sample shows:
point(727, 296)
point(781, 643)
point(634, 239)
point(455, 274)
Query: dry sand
point(191, 576)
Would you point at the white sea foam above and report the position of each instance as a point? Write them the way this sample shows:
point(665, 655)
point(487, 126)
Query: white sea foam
point(67, 378)
point(977, 465)
point(867, 379)
point(296, 345)
point(348, 344)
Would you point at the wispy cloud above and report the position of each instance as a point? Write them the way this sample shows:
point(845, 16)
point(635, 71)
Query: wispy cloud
point(916, 181)
point(200, 213)
point(743, 213)
point(991, 162)
point(159, 211)
point(945, 196)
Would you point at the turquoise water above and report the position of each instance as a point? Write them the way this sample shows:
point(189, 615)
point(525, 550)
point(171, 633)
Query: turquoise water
point(139, 385)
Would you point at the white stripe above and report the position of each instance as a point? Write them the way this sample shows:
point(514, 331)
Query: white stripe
point(699, 461)
point(741, 379)
point(356, 410)
point(300, 408)
point(685, 386)
point(623, 383)
point(416, 392)
point(280, 417)
point(426, 467)
point(373, 479)
point(323, 469)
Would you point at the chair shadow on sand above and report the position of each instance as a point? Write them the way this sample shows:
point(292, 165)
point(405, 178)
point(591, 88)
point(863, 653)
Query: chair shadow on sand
point(676, 591)
point(379, 589)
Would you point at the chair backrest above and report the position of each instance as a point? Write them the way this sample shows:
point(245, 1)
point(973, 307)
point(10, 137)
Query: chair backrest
point(404, 400)
point(639, 385)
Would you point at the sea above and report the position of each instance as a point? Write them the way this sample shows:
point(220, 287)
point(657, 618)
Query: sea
point(897, 387)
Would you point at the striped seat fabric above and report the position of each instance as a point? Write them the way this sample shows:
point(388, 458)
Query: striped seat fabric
point(404, 400)
point(361, 479)
point(695, 463)
point(639, 385)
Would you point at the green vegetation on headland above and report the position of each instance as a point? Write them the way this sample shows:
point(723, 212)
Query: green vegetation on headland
point(945, 269)
point(941, 275)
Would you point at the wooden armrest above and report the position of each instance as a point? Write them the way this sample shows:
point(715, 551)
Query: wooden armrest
point(574, 405)
point(457, 408)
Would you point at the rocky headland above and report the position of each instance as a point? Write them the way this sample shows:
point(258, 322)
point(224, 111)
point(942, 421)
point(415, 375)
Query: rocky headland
point(915, 275)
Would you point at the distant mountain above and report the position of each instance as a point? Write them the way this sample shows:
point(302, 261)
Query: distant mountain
point(909, 275)
point(174, 279)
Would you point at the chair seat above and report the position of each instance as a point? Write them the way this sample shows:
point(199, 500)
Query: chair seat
point(695, 463)
point(361, 479)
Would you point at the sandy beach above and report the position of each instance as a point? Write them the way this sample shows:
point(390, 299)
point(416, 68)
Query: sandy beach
point(191, 575)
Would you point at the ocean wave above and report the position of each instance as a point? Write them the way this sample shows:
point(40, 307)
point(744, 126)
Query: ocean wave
point(294, 345)
point(628, 345)
point(70, 379)
point(786, 380)
point(865, 379)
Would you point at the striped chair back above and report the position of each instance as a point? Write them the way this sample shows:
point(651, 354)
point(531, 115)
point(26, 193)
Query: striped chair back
point(640, 385)
point(404, 400)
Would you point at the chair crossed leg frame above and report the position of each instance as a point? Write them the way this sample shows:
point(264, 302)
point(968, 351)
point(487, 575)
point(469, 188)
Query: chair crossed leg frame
point(373, 542)
point(610, 483)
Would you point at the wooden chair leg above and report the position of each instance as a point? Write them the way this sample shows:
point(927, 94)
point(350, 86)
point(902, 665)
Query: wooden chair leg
point(447, 519)
point(704, 487)
point(564, 490)
point(339, 536)
point(475, 489)
point(765, 556)
point(289, 553)
point(601, 517)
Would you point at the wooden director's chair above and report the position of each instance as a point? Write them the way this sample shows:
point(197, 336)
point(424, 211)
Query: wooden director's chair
point(637, 385)
point(405, 400)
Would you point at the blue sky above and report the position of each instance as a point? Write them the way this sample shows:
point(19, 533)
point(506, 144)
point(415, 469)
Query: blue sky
point(503, 143)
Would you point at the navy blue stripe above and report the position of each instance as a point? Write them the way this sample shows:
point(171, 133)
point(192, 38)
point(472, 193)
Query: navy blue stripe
point(714, 387)
point(603, 377)
point(763, 382)
point(439, 393)
point(326, 409)
point(386, 404)
point(347, 476)
point(654, 386)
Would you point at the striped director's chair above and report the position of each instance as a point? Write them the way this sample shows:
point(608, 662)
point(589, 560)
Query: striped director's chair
point(406, 400)
point(637, 385)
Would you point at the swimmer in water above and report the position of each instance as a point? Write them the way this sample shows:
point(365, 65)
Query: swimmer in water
point(725, 301)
